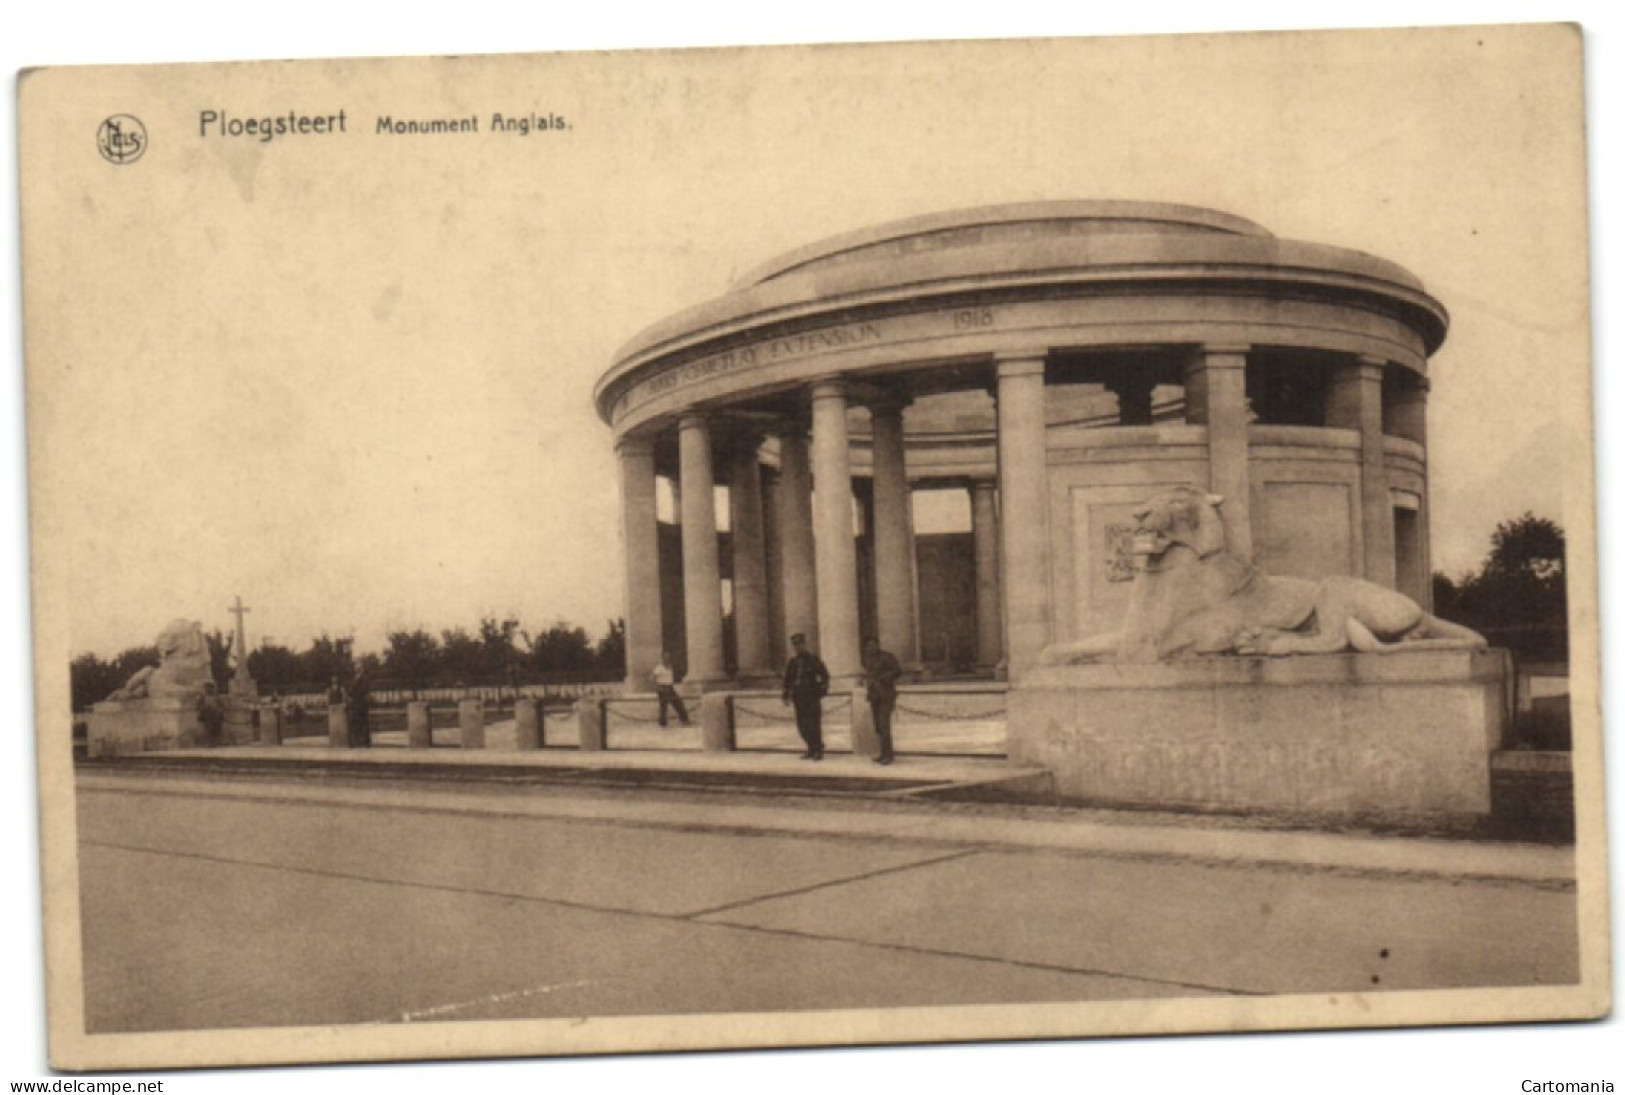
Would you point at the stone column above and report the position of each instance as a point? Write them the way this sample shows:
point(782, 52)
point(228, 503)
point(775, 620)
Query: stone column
point(1216, 394)
point(1408, 410)
point(1024, 495)
point(1133, 389)
point(893, 535)
point(773, 550)
point(796, 536)
point(837, 561)
point(1408, 415)
point(641, 539)
point(1355, 402)
point(984, 522)
point(702, 574)
point(749, 559)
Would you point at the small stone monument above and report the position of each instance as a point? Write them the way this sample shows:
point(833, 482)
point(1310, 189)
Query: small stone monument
point(242, 685)
point(157, 707)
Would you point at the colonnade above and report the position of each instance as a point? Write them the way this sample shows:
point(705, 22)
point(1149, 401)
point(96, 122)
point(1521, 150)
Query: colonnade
point(794, 560)
point(794, 554)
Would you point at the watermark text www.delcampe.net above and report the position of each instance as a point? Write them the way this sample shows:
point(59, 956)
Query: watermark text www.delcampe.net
point(91, 1087)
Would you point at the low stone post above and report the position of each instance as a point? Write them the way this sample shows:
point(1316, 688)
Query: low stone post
point(527, 720)
point(590, 721)
point(471, 723)
point(238, 728)
point(270, 724)
point(716, 722)
point(419, 728)
point(864, 741)
point(338, 726)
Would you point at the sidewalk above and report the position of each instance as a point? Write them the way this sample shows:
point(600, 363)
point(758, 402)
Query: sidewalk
point(823, 805)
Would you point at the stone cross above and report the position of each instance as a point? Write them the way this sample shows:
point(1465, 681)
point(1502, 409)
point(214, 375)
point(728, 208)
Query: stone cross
point(241, 682)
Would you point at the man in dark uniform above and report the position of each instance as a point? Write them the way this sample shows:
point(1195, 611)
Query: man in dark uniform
point(211, 712)
point(806, 681)
point(359, 706)
point(880, 673)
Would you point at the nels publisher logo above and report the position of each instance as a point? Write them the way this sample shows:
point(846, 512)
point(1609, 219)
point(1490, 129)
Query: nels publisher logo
point(121, 139)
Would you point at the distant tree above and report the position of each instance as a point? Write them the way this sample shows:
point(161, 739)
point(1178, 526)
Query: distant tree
point(92, 680)
point(562, 648)
point(328, 657)
point(497, 653)
point(1519, 596)
point(412, 657)
point(274, 666)
point(219, 655)
point(460, 655)
point(133, 659)
point(1529, 547)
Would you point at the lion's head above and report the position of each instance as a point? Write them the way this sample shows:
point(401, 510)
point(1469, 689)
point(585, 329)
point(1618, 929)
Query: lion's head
point(1180, 515)
point(181, 639)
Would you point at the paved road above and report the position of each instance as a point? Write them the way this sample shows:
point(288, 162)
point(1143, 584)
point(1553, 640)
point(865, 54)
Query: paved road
point(213, 905)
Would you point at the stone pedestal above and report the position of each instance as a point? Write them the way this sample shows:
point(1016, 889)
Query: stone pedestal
point(119, 727)
point(471, 723)
point(716, 723)
point(527, 720)
point(338, 727)
point(1394, 736)
point(590, 723)
point(419, 728)
point(241, 723)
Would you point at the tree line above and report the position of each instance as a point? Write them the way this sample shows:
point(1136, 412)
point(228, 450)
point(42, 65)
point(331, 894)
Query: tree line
point(1518, 597)
point(498, 652)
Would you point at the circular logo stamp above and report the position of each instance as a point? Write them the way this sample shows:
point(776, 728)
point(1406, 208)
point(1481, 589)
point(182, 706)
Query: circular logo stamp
point(121, 139)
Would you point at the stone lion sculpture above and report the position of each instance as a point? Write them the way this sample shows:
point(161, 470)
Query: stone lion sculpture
point(1192, 595)
point(183, 666)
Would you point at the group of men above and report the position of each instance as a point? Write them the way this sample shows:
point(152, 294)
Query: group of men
point(806, 683)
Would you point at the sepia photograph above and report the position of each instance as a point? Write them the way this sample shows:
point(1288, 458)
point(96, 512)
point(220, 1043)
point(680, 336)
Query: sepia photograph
point(576, 552)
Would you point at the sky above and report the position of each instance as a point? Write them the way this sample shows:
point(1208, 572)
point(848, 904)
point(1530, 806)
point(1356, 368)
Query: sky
point(1490, 1058)
point(349, 381)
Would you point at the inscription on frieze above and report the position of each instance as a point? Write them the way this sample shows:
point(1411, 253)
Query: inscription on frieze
point(770, 352)
point(775, 351)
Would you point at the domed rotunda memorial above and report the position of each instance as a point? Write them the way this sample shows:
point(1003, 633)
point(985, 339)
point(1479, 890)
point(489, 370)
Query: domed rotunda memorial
point(1105, 391)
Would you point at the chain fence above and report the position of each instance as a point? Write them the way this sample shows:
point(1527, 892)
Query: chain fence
point(951, 716)
point(620, 712)
point(787, 715)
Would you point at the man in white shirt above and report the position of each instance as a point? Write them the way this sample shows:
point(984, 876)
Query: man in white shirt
point(665, 678)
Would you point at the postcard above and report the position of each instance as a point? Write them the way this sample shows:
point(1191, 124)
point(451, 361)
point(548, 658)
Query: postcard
point(556, 554)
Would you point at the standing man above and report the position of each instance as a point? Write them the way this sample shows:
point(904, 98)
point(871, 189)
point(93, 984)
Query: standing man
point(211, 712)
point(806, 682)
point(880, 672)
point(665, 678)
